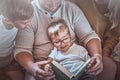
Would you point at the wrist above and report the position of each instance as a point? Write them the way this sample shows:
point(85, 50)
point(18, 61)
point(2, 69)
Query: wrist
point(98, 55)
point(30, 68)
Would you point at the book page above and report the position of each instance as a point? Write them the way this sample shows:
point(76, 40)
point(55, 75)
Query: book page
point(82, 69)
point(62, 69)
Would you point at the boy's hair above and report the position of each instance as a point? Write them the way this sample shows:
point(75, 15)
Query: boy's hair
point(57, 26)
point(16, 9)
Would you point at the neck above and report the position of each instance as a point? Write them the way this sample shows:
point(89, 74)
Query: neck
point(51, 8)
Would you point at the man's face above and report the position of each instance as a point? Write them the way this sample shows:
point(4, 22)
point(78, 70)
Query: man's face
point(21, 24)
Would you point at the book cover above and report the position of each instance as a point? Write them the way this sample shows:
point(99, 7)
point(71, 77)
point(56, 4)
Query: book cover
point(63, 74)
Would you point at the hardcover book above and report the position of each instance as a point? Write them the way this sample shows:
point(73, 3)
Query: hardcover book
point(62, 73)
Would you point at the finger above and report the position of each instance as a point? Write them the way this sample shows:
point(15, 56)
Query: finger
point(40, 72)
point(49, 77)
point(96, 72)
point(93, 60)
point(42, 62)
point(49, 66)
point(89, 66)
point(98, 63)
point(92, 63)
point(96, 68)
point(48, 73)
point(44, 73)
point(39, 77)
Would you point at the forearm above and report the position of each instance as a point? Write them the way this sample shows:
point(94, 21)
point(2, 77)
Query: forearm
point(94, 47)
point(25, 59)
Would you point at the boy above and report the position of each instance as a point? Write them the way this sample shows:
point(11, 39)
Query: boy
point(68, 54)
point(16, 14)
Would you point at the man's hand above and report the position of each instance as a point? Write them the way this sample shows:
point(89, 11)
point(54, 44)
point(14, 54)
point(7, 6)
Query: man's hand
point(37, 70)
point(96, 65)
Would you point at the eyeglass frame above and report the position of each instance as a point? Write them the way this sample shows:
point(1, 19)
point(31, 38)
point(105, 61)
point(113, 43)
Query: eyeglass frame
point(59, 42)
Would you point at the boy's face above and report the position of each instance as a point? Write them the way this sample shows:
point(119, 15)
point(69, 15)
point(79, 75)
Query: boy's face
point(21, 24)
point(63, 41)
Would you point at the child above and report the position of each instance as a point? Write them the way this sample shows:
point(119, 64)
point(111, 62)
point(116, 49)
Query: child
point(66, 52)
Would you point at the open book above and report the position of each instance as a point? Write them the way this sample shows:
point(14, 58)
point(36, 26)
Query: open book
point(63, 74)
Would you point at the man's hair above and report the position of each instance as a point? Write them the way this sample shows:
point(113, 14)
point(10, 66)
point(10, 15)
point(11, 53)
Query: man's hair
point(16, 9)
point(57, 26)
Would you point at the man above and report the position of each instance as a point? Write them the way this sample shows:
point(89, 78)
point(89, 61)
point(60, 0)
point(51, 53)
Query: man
point(33, 44)
point(15, 14)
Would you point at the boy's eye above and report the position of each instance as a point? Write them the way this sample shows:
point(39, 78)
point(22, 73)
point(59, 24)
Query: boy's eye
point(66, 39)
point(57, 42)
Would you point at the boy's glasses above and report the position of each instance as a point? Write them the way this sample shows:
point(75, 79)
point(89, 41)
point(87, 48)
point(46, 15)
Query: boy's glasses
point(59, 42)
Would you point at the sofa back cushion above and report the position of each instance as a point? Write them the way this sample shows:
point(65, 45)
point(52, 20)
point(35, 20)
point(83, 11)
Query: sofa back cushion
point(96, 20)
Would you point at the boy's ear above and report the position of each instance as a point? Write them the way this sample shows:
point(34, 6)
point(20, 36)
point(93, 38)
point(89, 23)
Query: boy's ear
point(8, 23)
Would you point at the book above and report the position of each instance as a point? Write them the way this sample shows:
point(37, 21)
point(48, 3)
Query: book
point(62, 73)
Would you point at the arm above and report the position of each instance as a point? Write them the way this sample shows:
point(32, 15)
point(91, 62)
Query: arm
point(90, 39)
point(94, 47)
point(26, 60)
point(24, 52)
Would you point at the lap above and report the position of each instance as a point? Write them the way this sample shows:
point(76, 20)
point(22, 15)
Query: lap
point(12, 70)
point(2, 76)
point(109, 69)
point(118, 71)
point(13, 66)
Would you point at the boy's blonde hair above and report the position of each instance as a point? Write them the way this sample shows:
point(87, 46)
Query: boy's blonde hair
point(57, 26)
point(16, 9)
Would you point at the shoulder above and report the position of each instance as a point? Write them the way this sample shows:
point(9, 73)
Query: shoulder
point(71, 8)
point(70, 5)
